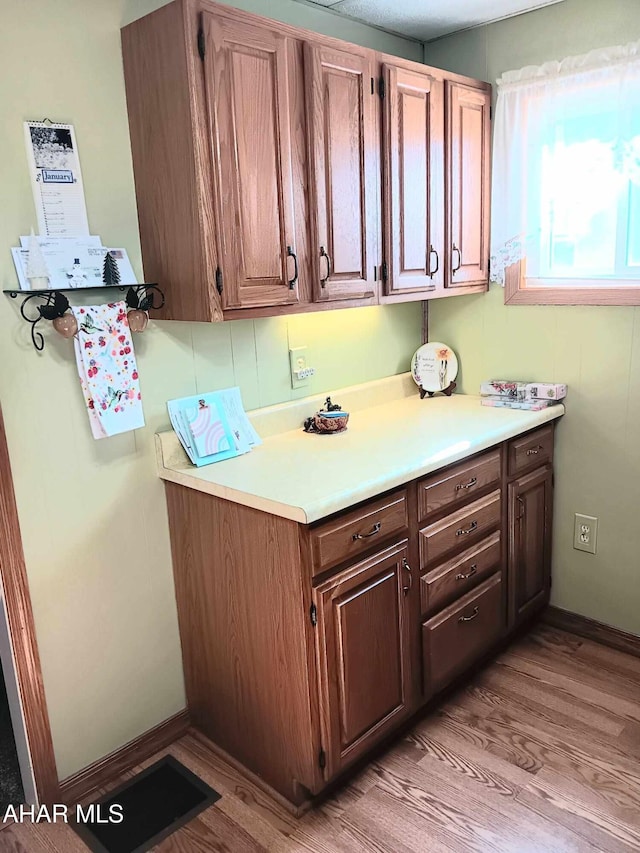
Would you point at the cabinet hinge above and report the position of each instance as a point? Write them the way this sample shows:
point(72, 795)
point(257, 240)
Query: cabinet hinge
point(384, 271)
point(313, 614)
point(201, 42)
point(322, 759)
point(382, 89)
point(219, 282)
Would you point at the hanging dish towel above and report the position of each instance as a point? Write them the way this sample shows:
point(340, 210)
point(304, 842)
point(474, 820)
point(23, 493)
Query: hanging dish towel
point(107, 369)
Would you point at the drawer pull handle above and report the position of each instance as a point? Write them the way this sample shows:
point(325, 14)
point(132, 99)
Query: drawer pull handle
point(472, 571)
point(468, 485)
point(407, 567)
point(462, 532)
point(375, 529)
point(476, 610)
point(534, 450)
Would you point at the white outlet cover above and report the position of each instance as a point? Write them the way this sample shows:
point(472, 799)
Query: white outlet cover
point(585, 533)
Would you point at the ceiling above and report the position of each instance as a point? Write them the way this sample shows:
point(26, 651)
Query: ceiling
point(425, 20)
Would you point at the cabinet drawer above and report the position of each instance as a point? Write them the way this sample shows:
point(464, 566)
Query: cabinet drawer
point(529, 451)
point(356, 531)
point(456, 531)
point(458, 484)
point(461, 634)
point(457, 576)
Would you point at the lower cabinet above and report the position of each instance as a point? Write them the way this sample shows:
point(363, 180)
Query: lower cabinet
point(306, 645)
point(365, 663)
point(530, 516)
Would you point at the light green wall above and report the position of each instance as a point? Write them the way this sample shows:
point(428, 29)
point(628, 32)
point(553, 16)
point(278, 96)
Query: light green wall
point(307, 15)
point(595, 349)
point(92, 513)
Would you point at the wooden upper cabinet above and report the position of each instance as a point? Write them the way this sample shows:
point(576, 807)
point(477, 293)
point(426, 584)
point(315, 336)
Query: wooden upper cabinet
point(413, 166)
point(530, 519)
point(247, 85)
point(365, 655)
point(344, 167)
point(468, 174)
point(260, 151)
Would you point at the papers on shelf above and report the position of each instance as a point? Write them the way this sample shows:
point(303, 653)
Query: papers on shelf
point(213, 426)
point(56, 179)
point(70, 261)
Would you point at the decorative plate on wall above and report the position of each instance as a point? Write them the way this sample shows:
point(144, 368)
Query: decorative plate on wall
point(434, 366)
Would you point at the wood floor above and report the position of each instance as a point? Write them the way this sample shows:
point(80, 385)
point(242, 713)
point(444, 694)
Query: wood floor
point(539, 754)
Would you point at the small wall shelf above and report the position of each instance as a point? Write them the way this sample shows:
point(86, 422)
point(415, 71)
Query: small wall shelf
point(147, 297)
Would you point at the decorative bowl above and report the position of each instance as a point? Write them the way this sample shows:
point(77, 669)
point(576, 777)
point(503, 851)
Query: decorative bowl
point(330, 421)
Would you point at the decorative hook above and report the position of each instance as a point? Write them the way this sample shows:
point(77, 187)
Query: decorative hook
point(142, 297)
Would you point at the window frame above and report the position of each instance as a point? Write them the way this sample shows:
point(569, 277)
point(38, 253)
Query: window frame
point(520, 290)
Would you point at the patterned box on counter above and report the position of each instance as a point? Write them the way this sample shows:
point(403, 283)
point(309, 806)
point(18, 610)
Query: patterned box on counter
point(523, 390)
point(509, 403)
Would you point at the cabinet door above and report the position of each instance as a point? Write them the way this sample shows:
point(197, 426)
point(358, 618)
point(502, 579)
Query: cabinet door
point(247, 84)
point(413, 159)
point(468, 172)
point(344, 172)
point(364, 653)
point(530, 516)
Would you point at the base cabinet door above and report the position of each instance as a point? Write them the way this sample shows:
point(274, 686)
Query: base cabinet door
point(364, 654)
point(247, 74)
point(530, 518)
point(468, 187)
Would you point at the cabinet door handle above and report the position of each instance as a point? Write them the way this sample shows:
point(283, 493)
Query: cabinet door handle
point(292, 254)
point(454, 269)
point(325, 254)
point(432, 251)
point(534, 450)
point(476, 610)
point(468, 485)
point(472, 571)
point(375, 529)
point(521, 512)
point(407, 567)
point(462, 532)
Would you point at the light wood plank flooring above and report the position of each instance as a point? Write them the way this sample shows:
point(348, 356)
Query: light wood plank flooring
point(540, 753)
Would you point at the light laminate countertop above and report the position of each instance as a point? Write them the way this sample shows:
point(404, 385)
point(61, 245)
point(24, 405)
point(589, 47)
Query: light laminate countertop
point(308, 477)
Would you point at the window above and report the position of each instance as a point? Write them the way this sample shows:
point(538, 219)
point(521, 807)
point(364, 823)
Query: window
point(566, 194)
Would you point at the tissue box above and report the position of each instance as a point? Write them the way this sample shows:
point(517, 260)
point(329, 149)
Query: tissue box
point(507, 403)
point(523, 390)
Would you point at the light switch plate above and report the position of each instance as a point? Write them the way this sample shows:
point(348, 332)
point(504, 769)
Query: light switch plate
point(585, 533)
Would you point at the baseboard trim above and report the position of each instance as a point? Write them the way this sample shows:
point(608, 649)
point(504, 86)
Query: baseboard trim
point(592, 630)
point(101, 773)
point(234, 764)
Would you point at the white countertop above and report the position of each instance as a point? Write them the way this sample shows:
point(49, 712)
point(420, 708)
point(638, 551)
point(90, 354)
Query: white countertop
point(308, 477)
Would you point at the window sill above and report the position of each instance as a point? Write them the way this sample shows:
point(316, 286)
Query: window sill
point(516, 291)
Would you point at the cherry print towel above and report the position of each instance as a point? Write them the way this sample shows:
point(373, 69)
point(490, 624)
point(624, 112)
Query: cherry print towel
point(107, 368)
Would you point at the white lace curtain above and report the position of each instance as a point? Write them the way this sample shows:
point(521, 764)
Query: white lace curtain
point(566, 144)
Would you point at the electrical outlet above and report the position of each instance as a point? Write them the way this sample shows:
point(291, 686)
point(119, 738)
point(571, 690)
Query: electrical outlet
point(585, 533)
point(300, 371)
